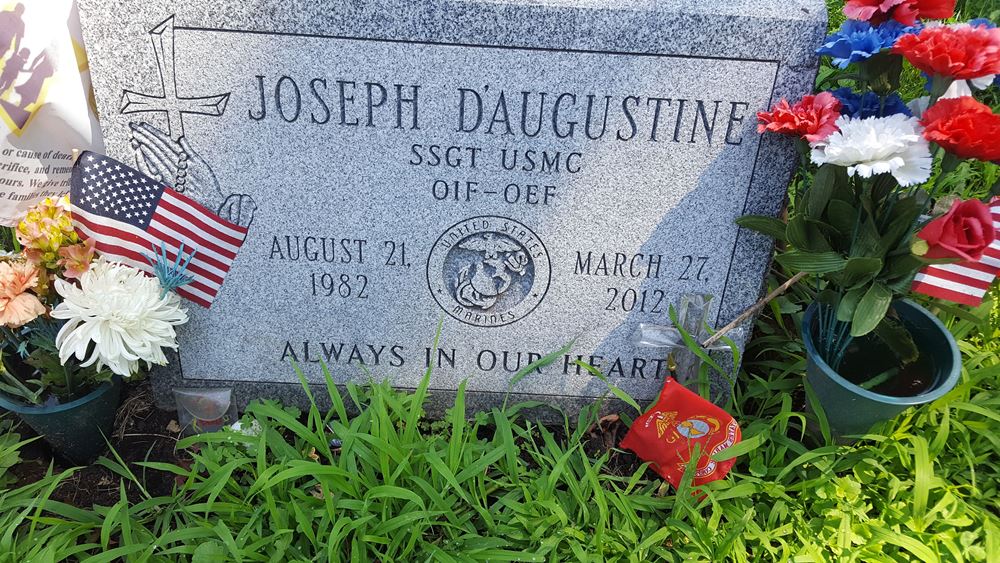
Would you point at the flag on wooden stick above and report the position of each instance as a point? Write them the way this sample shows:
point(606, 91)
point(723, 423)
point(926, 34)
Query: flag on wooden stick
point(131, 217)
point(964, 282)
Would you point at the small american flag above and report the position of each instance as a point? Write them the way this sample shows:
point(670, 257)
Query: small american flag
point(964, 282)
point(129, 216)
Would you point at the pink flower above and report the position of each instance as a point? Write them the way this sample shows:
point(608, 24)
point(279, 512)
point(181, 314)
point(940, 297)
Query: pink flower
point(17, 306)
point(76, 259)
point(813, 118)
point(906, 12)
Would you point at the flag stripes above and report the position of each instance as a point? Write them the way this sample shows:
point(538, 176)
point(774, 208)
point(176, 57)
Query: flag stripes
point(131, 217)
point(131, 248)
point(963, 282)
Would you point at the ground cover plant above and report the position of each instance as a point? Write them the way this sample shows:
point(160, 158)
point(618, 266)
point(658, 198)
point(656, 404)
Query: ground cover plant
point(496, 486)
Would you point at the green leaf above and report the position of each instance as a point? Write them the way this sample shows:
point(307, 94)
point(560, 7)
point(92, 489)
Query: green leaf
point(828, 297)
point(812, 262)
point(849, 304)
point(209, 552)
point(882, 72)
point(764, 225)
point(818, 195)
point(901, 266)
point(540, 363)
point(842, 189)
point(805, 233)
point(871, 310)
point(882, 187)
point(796, 232)
point(860, 271)
point(902, 285)
point(899, 272)
point(841, 215)
point(893, 334)
point(904, 214)
point(868, 243)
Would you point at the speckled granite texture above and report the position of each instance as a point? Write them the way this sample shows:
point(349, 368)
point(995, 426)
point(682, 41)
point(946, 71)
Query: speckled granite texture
point(633, 129)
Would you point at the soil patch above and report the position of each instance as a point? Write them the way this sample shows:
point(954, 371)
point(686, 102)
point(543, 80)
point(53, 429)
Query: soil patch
point(142, 433)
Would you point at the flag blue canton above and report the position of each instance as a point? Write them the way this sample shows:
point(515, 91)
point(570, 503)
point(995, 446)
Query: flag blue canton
point(129, 215)
point(109, 189)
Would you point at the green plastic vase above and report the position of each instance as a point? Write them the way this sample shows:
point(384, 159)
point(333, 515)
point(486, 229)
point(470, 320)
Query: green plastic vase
point(77, 429)
point(851, 410)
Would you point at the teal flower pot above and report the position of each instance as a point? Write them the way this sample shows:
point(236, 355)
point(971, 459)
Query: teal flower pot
point(851, 409)
point(77, 429)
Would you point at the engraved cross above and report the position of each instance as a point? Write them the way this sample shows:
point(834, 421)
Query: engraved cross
point(170, 102)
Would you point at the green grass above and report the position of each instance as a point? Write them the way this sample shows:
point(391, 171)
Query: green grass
point(495, 486)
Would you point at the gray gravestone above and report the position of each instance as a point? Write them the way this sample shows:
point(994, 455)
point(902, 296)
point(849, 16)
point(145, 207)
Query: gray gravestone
point(530, 172)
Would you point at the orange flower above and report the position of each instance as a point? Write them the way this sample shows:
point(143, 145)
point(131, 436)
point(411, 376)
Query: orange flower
point(17, 306)
point(76, 259)
point(47, 227)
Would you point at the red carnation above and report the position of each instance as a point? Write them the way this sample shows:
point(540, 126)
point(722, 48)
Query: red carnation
point(906, 12)
point(962, 52)
point(814, 118)
point(964, 127)
point(964, 232)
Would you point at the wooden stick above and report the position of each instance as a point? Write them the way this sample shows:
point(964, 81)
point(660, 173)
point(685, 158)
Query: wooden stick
point(75, 155)
point(753, 310)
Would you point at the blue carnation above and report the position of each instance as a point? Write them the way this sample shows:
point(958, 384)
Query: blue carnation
point(857, 41)
point(861, 106)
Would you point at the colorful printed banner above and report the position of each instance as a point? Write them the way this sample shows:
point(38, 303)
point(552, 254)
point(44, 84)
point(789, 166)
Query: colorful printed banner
point(44, 102)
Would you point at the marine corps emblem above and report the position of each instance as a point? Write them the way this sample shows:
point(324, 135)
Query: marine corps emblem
point(488, 271)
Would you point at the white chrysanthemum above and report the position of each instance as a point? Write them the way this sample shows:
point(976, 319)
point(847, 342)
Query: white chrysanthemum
point(878, 145)
point(118, 315)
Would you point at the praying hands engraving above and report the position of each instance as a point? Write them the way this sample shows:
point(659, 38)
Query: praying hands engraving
point(168, 156)
point(178, 165)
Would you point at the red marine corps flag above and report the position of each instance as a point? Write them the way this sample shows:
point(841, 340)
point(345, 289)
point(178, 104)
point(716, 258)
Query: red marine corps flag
point(667, 433)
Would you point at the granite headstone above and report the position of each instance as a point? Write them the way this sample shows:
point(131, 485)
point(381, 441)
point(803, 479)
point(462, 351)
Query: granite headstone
point(528, 172)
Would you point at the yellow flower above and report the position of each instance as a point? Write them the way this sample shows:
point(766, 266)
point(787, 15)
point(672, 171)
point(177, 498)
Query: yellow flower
point(46, 228)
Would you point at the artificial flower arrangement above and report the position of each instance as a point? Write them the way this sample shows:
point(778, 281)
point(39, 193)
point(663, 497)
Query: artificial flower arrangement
point(70, 320)
point(865, 226)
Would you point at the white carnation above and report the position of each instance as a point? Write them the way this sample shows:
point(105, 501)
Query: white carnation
point(962, 88)
point(878, 145)
point(119, 316)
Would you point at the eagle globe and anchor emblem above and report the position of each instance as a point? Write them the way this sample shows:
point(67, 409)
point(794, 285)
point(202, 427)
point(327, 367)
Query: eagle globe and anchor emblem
point(488, 271)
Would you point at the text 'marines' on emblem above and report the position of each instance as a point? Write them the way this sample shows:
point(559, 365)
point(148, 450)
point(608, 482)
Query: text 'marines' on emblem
point(488, 271)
